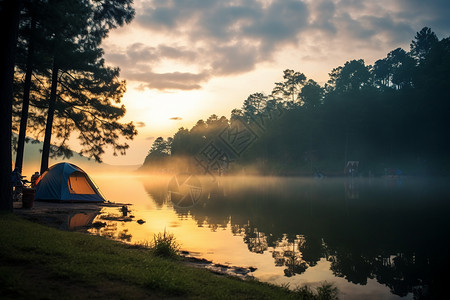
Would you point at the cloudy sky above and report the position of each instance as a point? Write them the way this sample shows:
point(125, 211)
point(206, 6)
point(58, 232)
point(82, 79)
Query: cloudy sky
point(187, 59)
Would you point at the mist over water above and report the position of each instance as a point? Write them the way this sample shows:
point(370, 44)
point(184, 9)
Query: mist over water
point(374, 238)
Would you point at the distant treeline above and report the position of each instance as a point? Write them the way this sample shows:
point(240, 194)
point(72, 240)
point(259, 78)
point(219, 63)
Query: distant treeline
point(392, 115)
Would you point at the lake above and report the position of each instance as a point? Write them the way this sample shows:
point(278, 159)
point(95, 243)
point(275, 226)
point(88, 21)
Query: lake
point(374, 238)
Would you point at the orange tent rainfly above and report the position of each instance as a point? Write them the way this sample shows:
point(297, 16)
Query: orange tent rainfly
point(67, 182)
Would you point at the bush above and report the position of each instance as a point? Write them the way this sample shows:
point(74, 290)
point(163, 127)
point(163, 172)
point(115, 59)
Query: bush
point(327, 291)
point(165, 245)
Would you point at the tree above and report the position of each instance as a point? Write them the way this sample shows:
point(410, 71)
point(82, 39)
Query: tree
point(82, 89)
point(353, 76)
point(254, 104)
point(311, 95)
point(29, 33)
point(424, 40)
point(160, 149)
point(236, 114)
point(9, 14)
point(433, 85)
point(288, 89)
point(382, 73)
point(433, 74)
point(181, 143)
point(401, 67)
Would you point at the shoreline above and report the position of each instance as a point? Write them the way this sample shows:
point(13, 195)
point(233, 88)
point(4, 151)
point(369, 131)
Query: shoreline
point(57, 215)
point(41, 262)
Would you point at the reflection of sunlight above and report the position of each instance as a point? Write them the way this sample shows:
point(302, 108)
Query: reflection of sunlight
point(122, 188)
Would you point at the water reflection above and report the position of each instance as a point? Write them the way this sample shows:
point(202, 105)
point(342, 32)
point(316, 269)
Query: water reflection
point(78, 220)
point(393, 232)
point(111, 224)
point(288, 254)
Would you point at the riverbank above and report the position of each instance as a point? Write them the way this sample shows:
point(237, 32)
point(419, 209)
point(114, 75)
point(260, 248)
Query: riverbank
point(38, 262)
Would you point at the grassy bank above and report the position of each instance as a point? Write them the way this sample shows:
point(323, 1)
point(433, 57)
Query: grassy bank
point(39, 262)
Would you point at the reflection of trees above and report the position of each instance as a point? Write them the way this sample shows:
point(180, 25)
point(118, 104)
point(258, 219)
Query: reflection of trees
point(110, 228)
point(403, 273)
point(255, 240)
point(298, 254)
point(353, 267)
point(312, 249)
point(124, 235)
point(391, 235)
point(287, 254)
point(156, 188)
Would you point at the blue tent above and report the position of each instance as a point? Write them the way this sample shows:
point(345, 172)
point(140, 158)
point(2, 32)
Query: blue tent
point(67, 182)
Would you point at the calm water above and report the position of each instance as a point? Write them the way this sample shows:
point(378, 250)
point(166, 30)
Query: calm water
point(374, 239)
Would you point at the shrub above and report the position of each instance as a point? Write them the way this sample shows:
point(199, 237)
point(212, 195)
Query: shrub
point(165, 245)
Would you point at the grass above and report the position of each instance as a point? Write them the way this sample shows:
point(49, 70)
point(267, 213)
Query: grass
point(164, 245)
point(39, 262)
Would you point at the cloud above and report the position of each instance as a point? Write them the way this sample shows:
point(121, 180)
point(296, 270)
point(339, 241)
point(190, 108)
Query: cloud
point(168, 81)
point(221, 37)
point(193, 41)
point(140, 124)
point(234, 60)
point(432, 13)
point(139, 53)
point(176, 118)
point(150, 138)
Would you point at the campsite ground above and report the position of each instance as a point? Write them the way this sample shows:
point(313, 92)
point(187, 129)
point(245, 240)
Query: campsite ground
point(41, 262)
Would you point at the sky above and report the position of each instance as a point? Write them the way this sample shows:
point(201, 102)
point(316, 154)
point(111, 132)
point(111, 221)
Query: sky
point(185, 60)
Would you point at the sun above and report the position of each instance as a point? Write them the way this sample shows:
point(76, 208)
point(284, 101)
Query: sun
point(161, 110)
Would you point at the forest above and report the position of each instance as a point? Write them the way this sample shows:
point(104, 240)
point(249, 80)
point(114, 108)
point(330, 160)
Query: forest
point(392, 115)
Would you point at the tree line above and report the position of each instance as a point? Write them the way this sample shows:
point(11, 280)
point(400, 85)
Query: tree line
point(392, 114)
point(55, 83)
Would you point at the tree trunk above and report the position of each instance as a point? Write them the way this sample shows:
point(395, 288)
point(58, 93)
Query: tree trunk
point(9, 14)
point(26, 99)
point(50, 114)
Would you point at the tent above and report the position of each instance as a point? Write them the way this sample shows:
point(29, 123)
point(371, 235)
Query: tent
point(67, 182)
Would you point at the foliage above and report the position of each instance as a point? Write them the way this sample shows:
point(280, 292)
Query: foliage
point(424, 40)
point(289, 89)
point(325, 291)
point(165, 245)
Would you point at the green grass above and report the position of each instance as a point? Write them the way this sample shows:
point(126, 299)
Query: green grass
point(165, 245)
point(39, 262)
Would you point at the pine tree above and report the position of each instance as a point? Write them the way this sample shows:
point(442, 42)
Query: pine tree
point(9, 14)
point(75, 91)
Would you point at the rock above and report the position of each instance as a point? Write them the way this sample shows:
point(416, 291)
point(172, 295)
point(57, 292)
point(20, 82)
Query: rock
point(98, 224)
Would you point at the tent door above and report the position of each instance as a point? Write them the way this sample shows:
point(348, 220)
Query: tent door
point(78, 184)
